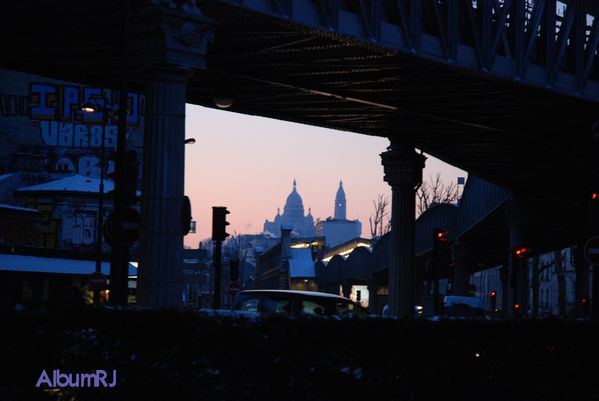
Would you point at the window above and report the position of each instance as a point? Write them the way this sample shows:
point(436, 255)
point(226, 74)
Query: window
point(247, 303)
point(312, 308)
point(344, 308)
point(276, 306)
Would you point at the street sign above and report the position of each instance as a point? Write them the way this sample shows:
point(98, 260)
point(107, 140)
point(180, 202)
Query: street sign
point(131, 220)
point(96, 281)
point(591, 250)
point(234, 288)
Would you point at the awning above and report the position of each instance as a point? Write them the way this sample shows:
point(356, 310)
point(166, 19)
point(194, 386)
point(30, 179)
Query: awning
point(38, 264)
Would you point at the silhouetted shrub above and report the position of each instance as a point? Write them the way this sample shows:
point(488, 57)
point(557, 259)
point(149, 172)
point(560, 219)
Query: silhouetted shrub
point(182, 356)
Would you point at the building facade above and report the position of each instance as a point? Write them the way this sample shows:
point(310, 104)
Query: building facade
point(290, 264)
point(555, 275)
point(51, 156)
point(50, 169)
point(339, 229)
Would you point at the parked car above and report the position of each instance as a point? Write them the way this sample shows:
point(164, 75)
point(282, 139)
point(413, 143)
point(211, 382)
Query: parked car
point(460, 307)
point(295, 303)
point(386, 313)
point(454, 307)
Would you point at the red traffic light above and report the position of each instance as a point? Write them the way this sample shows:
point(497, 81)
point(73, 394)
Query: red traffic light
point(441, 235)
point(583, 300)
point(521, 252)
point(493, 293)
point(594, 196)
point(516, 306)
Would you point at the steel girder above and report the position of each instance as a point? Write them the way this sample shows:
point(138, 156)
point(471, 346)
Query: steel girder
point(543, 43)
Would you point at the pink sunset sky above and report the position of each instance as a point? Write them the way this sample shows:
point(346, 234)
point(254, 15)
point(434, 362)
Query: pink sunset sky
point(248, 164)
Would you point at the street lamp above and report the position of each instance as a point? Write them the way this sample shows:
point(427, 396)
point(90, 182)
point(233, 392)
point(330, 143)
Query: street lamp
point(88, 107)
point(223, 102)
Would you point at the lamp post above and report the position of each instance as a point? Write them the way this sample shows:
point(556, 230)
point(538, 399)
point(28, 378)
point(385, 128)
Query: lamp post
point(100, 214)
point(90, 107)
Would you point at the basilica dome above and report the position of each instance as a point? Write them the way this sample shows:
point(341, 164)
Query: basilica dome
point(294, 206)
point(293, 215)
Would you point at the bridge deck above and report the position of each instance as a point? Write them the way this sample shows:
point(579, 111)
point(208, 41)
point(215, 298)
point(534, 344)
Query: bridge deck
point(366, 73)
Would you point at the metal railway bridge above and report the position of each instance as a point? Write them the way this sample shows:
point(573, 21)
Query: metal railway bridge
point(505, 89)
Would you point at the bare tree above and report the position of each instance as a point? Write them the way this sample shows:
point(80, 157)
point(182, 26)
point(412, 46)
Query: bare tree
point(435, 191)
point(378, 226)
point(238, 247)
point(430, 193)
point(235, 245)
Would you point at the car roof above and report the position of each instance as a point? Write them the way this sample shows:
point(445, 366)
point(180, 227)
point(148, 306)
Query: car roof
point(473, 302)
point(296, 292)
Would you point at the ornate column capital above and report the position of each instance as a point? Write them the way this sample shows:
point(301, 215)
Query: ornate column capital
point(166, 35)
point(403, 166)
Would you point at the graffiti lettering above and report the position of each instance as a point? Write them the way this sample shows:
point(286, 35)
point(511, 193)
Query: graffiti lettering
point(13, 105)
point(62, 102)
point(64, 164)
point(70, 101)
point(43, 99)
point(56, 133)
point(81, 136)
point(89, 166)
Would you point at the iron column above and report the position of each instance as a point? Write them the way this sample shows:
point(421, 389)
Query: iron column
point(169, 43)
point(403, 172)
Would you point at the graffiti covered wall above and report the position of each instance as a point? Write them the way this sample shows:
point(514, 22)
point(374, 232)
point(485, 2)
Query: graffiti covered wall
point(43, 130)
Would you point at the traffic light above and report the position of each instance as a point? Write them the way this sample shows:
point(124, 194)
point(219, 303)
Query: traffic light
point(441, 251)
point(440, 236)
point(585, 306)
point(593, 210)
point(493, 296)
point(521, 253)
point(519, 260)
point(219, 223)
point(516, 310)
point(130, 172)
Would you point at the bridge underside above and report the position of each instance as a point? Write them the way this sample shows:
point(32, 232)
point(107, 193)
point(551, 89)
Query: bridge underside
point(518, 136)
